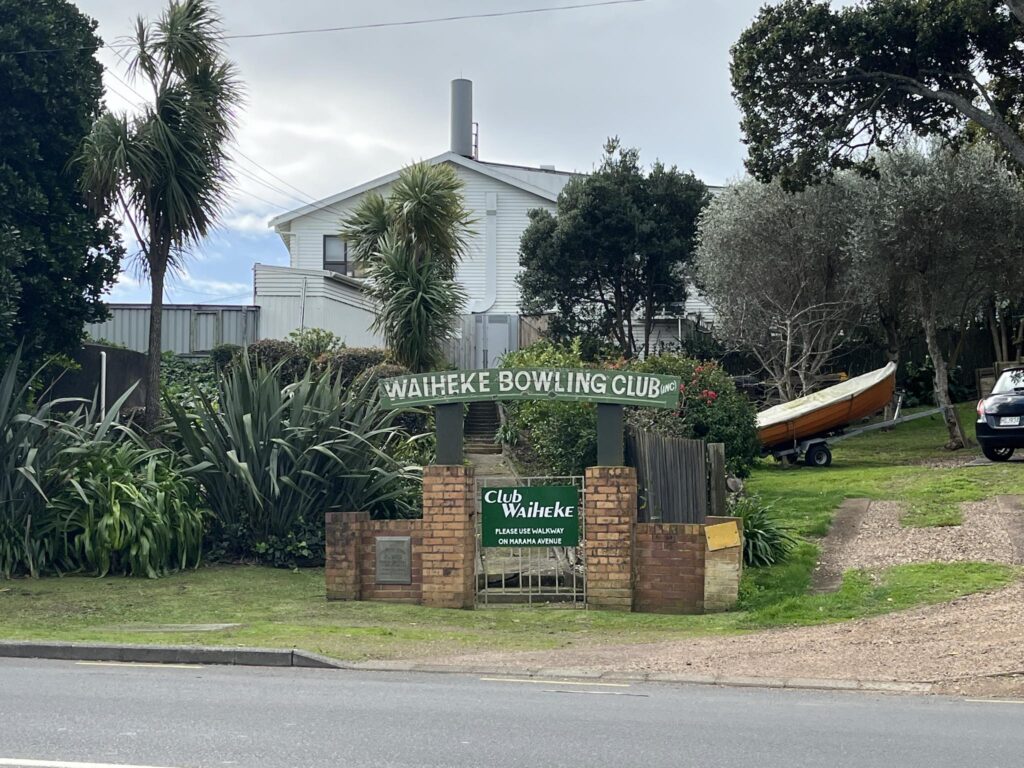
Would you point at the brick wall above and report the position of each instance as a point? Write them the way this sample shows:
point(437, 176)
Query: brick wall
point(669, 568)
point(343, 556)
point(609, 521)
point(449, 536)
point(443, 547)
point(649, 567)
point(402, 593)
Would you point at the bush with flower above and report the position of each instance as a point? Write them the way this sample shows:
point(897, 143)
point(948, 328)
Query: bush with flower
point(710, 408)
point(558, 437)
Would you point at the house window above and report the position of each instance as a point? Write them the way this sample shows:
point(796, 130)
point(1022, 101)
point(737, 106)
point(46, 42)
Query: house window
point(336, 256)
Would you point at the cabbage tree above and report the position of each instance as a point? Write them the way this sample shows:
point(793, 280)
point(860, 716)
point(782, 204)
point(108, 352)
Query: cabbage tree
point(410, 244)
point(166, 166)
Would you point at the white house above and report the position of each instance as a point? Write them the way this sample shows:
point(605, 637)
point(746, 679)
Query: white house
point(319, 288)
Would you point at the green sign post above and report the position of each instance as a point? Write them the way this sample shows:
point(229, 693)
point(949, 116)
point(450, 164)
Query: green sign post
point(542, 516)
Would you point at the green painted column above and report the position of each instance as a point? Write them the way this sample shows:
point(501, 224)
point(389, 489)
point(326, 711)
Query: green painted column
point(448, 420)
point(610, 439)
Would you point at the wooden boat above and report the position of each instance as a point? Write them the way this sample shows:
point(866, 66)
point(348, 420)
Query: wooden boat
point(828, 410)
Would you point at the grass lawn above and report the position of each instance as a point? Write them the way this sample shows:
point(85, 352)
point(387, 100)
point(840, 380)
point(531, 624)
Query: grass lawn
point(282, 609)
point(277, 608)
point(907, 464)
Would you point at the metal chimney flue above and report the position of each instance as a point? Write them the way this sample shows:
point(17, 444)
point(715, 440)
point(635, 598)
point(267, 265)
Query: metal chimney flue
point(462, 117)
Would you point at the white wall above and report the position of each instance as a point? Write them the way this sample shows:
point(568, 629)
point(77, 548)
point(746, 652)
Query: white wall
point(307, 232)
point(327, 304)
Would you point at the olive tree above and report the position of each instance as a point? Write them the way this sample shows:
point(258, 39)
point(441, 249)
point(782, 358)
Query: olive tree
point(776, 268)
point(945, 226)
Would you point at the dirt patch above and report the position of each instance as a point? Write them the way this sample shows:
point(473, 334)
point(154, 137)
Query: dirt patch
point(962, 643)
point(951, 462)
point(973, 645)
point(990, 533)
point(846, 525)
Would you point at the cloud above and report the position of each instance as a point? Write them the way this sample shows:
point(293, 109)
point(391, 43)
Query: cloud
point(326, 112)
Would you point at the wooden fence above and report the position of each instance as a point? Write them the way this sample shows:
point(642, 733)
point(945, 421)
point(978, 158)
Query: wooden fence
point(681, 481)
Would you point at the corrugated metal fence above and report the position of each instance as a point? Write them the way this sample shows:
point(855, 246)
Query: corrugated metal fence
point(681, 481)
point(186, 329)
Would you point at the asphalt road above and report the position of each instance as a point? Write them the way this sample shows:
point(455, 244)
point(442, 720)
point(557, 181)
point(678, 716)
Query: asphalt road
point(65, 714)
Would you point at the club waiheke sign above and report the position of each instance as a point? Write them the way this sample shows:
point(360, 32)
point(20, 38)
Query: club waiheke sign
point(577, 384)
point(538, 516)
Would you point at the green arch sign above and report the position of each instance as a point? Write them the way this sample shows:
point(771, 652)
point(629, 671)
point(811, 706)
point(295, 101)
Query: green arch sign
point(649, 390)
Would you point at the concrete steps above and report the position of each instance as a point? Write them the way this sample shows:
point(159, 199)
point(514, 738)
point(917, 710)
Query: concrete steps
point(482, 422)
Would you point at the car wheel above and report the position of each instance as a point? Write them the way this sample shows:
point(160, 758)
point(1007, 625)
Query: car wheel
point(997, 454)
point(818, 455)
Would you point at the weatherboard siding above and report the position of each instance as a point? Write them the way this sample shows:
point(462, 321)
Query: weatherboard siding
point(513, 205)
point(325, 303)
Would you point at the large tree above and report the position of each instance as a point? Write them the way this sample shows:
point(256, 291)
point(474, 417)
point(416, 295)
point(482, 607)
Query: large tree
point(410, 244)
point(776, 268)
point(57, 257)
point(166, 167)
point(949, 223)
point(616, 252)
point(821, 87)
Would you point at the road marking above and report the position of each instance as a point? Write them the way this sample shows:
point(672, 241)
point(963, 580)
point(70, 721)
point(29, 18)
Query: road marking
point(136, 664)
point(550, 682)
point(599, 693)
point(997, 701)
point(19, 763)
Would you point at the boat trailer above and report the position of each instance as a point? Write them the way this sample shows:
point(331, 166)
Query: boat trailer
point(816, 451)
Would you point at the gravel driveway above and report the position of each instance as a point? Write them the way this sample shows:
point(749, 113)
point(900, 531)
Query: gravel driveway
point(992, 532)
point(974, 644)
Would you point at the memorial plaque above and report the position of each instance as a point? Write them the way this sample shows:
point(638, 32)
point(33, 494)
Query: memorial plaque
point(394, 560)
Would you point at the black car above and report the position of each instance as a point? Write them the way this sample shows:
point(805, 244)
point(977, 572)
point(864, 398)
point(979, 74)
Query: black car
point(1000, 424)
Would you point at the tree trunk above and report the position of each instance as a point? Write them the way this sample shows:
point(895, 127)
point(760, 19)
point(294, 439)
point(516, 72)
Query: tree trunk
point(993, 329)
point(156, 311)
point(957, 438)
point(648, 327)
point(892, 355)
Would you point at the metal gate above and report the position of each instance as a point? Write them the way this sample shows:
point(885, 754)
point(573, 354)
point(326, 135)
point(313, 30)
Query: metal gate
point(531, 574)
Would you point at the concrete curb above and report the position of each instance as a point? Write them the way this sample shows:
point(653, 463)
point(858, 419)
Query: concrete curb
point(165, 654)
point(278, 657)
point(587, 675)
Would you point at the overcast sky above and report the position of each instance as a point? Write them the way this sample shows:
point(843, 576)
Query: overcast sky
point(325, 112)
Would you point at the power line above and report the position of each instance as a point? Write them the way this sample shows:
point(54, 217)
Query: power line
point(357, 27)
point(305, 201)
point(436, 20)
point(313, 198)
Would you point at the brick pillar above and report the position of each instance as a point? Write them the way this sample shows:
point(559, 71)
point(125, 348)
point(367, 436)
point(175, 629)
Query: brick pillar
point(343, 564)
point(449, 536)
point(610, 521)
point(722, 571)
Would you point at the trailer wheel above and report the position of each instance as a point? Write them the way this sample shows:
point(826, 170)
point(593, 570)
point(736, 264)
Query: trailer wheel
point(818, 455)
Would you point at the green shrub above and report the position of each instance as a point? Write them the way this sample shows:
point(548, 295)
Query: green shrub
point(82, 493)
point(918, 384)
point(346, 364)
point(182, 377)
point(29, 444)
point(273, 457)
point(765, 540)
point(559, 438)
point(120, 507)
point(315, 342)
point(284, 356)
point(223, 354)
point(710, 408)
